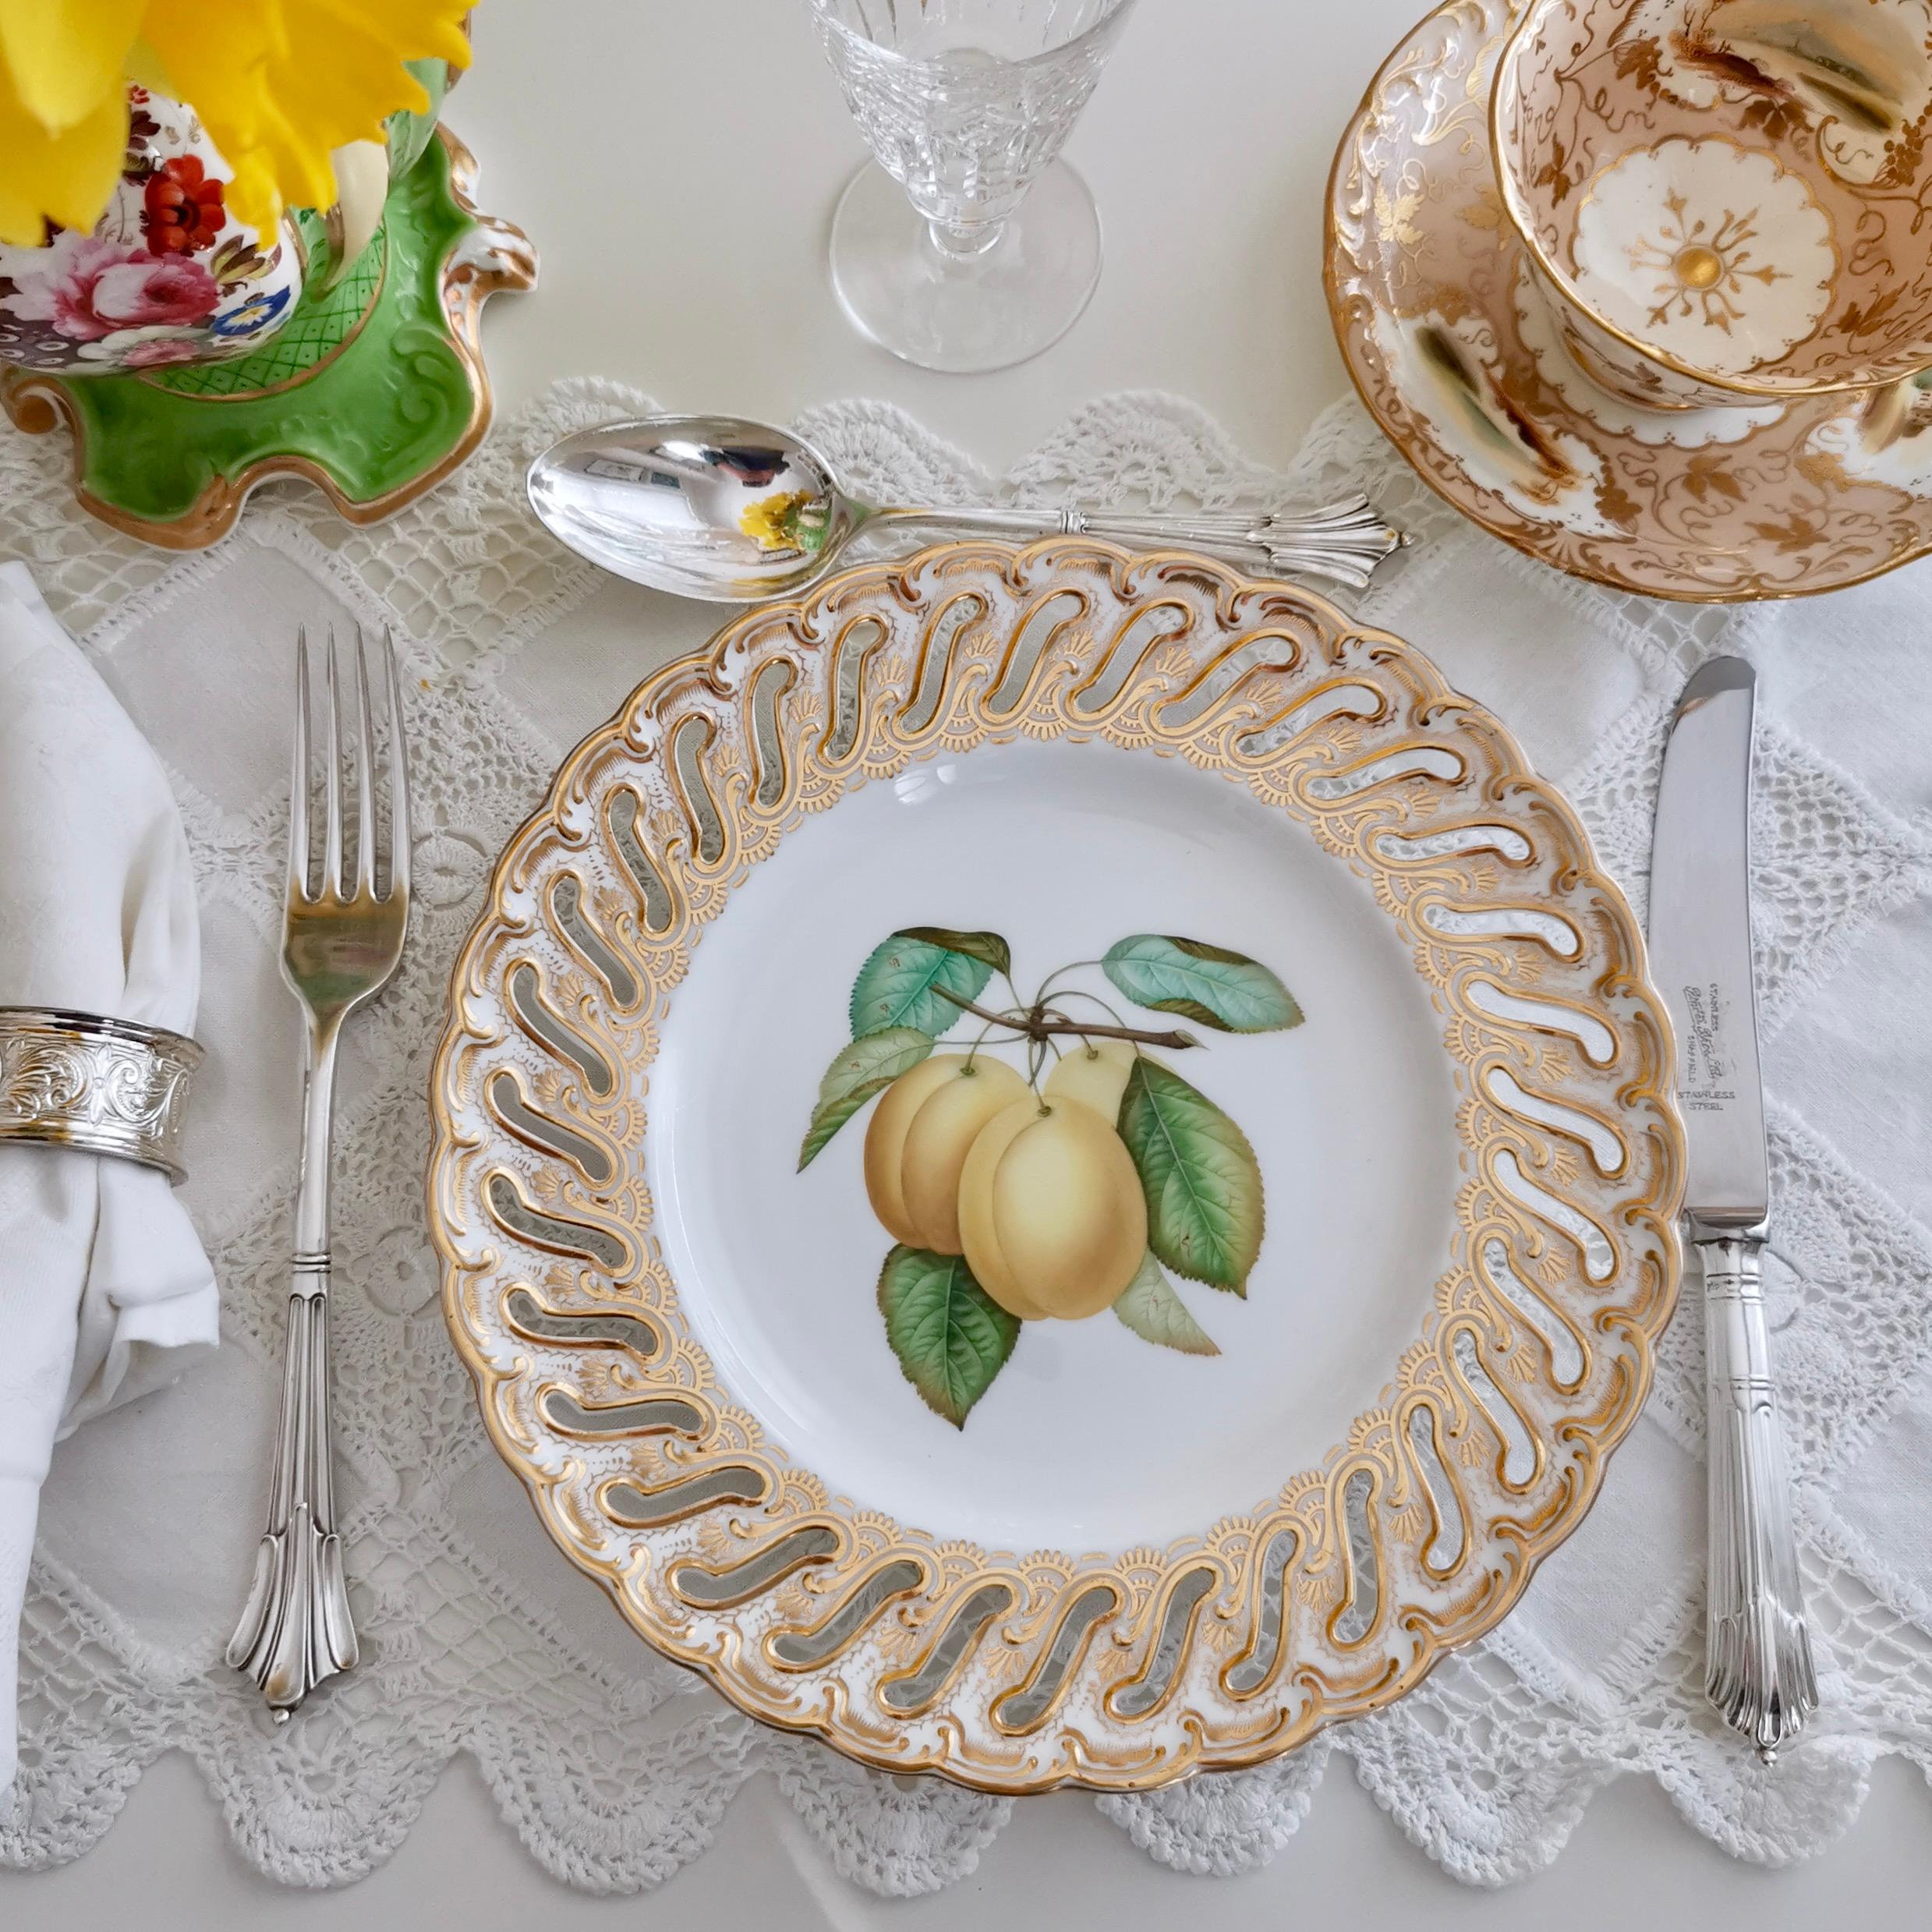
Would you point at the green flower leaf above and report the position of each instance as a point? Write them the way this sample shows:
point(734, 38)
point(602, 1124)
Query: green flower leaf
point(871, 1062)
point(1202, 1183)
point(989, 947)
point(1149, 1306)
point(905, 982)
point(950, 1336)
point(1224, 990)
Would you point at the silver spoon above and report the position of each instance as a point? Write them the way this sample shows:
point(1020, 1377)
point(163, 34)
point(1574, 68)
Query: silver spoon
point(737, 512)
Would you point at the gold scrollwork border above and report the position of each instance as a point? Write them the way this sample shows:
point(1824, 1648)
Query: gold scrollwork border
point(1021, 1673)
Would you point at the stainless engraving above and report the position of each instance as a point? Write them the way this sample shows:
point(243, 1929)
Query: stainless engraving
point(1758, 1668)
point(736, 512)
point(341, 945)
point(1701, 941)
point(101, 1085)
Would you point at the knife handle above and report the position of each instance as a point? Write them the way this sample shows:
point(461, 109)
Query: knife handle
point(1758, 1656)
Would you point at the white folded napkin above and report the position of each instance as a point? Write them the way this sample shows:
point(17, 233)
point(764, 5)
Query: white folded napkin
point(105, 1294)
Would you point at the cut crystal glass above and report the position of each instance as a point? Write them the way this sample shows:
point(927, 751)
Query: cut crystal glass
point(967, 243)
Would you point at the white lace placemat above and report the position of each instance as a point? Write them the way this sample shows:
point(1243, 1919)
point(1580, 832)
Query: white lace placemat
point(612, 1765)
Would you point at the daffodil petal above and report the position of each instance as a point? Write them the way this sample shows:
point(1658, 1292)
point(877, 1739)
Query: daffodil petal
point(253, 196)
point(67, 178)
point(146, 69)
point(66, 57)
point(288, 82)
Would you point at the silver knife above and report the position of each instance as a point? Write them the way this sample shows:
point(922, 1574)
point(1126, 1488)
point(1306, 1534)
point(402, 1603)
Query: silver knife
point(1758, 1656)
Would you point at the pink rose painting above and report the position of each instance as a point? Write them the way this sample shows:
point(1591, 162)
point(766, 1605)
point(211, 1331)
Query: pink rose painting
point(167, 277)
point(87, 288)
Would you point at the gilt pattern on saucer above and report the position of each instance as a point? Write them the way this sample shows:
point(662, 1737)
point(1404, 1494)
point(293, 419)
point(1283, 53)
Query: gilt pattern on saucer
point(1451, 342)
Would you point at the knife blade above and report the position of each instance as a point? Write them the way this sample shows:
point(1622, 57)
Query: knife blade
point(1758, 1668)
point(1700, 941)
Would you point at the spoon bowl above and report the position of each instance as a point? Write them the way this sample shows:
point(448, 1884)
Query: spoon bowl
point(710, 506)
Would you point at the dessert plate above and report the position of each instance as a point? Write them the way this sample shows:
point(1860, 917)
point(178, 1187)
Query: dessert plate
point(1458, 359)
point(1055, 1166)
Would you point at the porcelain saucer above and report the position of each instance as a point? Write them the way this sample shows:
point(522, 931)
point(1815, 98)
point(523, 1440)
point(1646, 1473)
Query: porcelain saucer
point(1453, 350)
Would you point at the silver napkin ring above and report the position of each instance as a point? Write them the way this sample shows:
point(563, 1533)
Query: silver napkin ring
point(105, 1086)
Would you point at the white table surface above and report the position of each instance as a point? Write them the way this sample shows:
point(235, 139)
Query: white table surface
point(677, 161)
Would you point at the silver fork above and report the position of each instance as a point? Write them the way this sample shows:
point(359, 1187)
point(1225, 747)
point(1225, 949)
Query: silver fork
point(339, 946)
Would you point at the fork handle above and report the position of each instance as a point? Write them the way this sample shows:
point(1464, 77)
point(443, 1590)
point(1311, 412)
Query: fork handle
point(295, 1631)
point(1757, 1655)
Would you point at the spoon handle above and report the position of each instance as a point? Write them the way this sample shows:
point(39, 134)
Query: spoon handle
point(1342, 542)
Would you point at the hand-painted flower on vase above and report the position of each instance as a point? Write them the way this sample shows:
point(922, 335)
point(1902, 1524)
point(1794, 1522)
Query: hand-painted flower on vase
point(160, 346)
point(87, 288)
point(259, 312)
point(183, 212)
point(167, 275)
point(142, 127)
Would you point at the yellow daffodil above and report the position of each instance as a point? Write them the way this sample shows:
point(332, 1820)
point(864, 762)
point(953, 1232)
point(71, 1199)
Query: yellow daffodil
point(767, 522)
point(279, 84)
point(788, 520)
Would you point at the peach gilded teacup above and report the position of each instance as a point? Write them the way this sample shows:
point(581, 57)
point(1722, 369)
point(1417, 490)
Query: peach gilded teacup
point(1725, 200)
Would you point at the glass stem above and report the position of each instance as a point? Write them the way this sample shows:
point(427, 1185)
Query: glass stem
point(962, 241)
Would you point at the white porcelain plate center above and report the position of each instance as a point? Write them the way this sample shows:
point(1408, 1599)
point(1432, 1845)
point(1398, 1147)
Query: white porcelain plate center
point(1064, 849)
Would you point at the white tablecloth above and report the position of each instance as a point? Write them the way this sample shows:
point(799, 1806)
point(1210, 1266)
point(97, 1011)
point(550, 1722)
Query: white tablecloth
point(610, 1765)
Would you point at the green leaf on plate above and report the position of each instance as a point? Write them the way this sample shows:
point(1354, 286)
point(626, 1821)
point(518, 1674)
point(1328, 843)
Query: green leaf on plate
point(1149, 1306)
point(987, 946)
point(871, 1062)
point(950, 1336)
point(1228, 991)
point(905, 982)
point(1202, 1183)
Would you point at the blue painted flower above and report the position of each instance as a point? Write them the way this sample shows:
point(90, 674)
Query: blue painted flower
point(252, 316)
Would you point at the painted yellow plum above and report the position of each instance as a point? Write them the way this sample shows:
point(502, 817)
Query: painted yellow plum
point(1051, 1213)
point(1093, 1072)
point(921, 1133)
point(1056, 1193)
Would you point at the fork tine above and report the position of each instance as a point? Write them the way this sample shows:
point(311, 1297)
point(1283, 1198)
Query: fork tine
point(365, 778)
point(399, 833)
point(299, 777)
point(332, 880)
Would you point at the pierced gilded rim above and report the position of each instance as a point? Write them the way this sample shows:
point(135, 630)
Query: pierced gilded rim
point(906, 1648)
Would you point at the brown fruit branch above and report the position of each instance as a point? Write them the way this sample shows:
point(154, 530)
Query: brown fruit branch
point(1037, 1022)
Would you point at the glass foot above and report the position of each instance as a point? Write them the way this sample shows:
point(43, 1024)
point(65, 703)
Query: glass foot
point(964, 313)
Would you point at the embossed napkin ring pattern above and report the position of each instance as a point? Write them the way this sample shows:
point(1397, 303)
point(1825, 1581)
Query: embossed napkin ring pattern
point(104, 1086)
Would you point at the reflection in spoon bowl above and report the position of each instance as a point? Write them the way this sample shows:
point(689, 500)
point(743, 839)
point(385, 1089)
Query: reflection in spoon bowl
point(719, 508)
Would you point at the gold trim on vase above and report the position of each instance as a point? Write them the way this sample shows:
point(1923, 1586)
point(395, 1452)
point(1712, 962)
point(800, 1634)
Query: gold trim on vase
point(38, 403)
point(907, 1648)
point(95, 1084)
